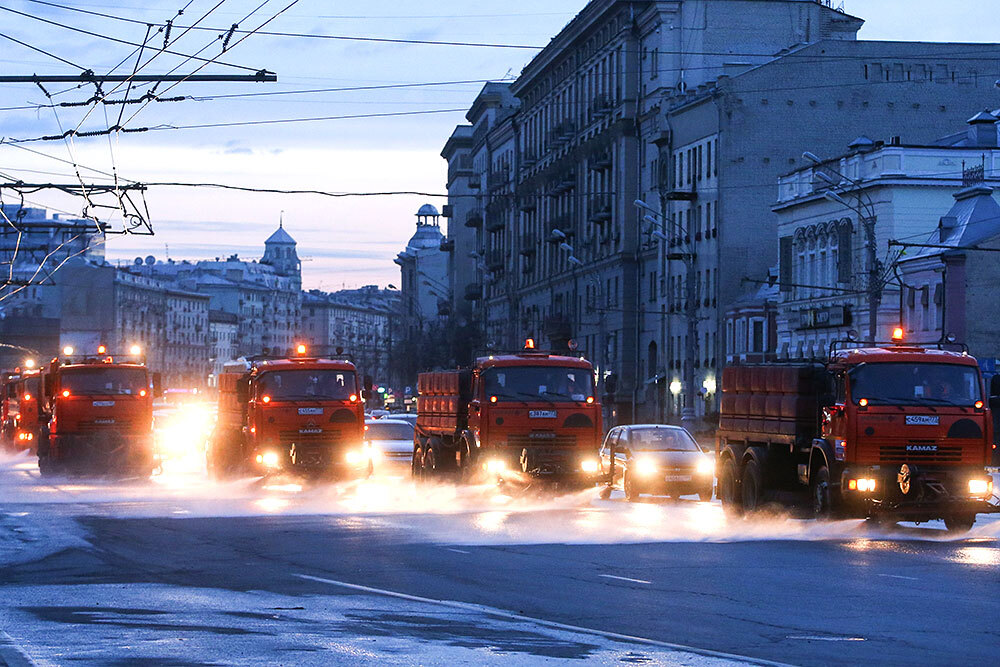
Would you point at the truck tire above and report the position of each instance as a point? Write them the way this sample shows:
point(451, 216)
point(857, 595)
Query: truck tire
point(430, 465)
point(417, 464)
point(822, 496)
point(959, 523)
point(752, 487)
point(728, 488)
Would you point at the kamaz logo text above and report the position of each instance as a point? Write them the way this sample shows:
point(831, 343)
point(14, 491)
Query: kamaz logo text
point(921, 448)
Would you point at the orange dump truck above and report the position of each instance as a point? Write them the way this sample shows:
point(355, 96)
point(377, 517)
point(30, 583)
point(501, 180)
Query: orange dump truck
point(897, 432)
point(515, 417)
point(299, 414)
point(98, 414)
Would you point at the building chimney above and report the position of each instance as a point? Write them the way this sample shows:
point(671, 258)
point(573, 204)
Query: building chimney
point(946, 226)
point(983, 130)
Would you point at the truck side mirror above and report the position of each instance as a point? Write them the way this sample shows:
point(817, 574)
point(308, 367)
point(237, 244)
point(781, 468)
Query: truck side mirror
point(995, 385)
point(157, 385)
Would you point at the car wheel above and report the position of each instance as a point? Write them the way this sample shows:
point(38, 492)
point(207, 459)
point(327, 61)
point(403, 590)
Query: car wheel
point(631, 493)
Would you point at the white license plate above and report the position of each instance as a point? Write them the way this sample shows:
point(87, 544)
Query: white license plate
point(104, 404)
point(310, 411)
point(678, 478)
point(542, 414)
point(922, 420)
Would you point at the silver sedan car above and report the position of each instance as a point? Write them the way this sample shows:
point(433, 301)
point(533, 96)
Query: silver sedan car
point(659, 460)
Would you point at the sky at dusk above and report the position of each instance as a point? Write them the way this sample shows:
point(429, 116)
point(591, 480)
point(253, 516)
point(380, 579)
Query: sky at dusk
point(347, 241)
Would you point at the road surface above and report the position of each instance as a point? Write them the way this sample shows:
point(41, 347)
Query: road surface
point(182, 570)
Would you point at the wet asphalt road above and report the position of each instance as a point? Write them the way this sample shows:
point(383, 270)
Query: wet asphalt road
point(783, 591)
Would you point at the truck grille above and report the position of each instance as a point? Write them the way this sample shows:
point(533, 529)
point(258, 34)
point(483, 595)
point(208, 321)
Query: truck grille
point(321, 437)
point(99, 425)
point(918, 451)
point(558, 440)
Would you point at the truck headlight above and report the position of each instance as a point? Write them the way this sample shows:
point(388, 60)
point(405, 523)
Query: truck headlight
point(646, 466)
point(270, 459)
point(590, 466)
point(496, 466)
point(980, 487)
point(356, 457)
point(706, 466)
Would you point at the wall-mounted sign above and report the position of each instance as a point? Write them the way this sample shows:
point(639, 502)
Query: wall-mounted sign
point(822, 318)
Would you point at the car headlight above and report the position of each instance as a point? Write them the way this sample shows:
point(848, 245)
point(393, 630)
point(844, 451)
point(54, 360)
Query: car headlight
point(270, 459)
point(496, 466)
point(980, 487)
point(356, 457)
point(646, 466)
point(590, 465)
point(706, 466)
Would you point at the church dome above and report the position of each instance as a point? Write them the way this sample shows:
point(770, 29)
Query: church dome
point(428, 210)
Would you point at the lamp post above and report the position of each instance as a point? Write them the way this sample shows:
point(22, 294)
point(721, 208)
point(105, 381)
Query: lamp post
point(866, 217)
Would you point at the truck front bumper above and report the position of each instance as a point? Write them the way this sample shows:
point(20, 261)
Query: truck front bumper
point(912, 493)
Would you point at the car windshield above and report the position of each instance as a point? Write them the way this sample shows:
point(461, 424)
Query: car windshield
point(104, 381)
point(534, 383)
point(662, 440)
point(382, 430)
point(307, 384)
point(916, 384)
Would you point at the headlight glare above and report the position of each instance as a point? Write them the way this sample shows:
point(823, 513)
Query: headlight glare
point(980, 487)
point(590, 465)
point(270, 459)
point(496, 466)
point(706, 466)
point(646, 466)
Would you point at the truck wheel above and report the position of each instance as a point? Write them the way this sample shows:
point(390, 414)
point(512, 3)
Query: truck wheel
point(959, 523)
point(631, 493)
point(821, 494)
point(752, 486)
point(430, 462)
point(417, 464)
point(728, 492)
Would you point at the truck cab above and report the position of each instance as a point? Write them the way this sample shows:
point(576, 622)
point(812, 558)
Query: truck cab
point(296, 414)
point(100, 414)
point(537, 415)
point(913, 431)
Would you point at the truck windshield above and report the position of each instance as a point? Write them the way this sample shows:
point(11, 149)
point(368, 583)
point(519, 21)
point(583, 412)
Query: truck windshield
point(916, 384)
point(534, 383)
point(307, 384)
point(662, 440)
point(104, 381)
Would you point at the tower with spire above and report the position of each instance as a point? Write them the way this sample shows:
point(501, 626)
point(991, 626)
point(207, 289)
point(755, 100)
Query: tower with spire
point(279, 252)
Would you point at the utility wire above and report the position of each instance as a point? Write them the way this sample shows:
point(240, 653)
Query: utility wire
point(123, 41)
point(42, 51)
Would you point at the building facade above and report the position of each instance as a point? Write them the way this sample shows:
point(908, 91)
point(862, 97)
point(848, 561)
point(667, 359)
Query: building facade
point(828, 279)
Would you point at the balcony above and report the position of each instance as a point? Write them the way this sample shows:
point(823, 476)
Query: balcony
point(496, 260)
point(600, 161)
point(528, 202)
point(678, 193)
point(600, 210)
point(474, 292)
point(495, 222)
point(499, 178)
point(601, 106)
point(474, 219)
point(564, 223)
point(475, 182)
point(527, 246)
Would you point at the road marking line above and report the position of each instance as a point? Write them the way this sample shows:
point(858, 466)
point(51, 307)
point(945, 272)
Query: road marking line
point(819, 638)
point(634, 581)
point(459, 551)
point(12, 654)
point(899, 576)
point(493, 611)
